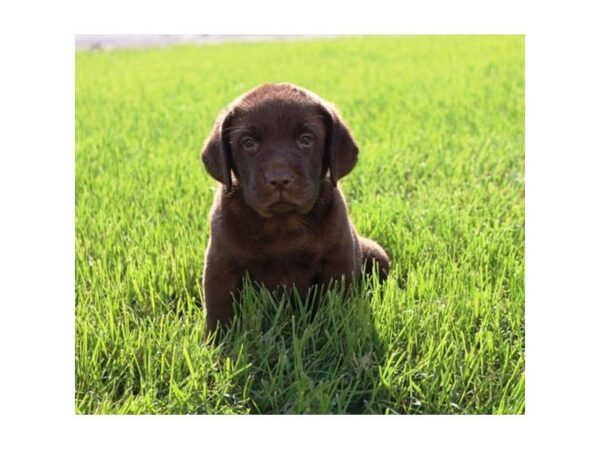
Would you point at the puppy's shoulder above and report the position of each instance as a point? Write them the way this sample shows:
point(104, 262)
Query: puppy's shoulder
point(229, 211)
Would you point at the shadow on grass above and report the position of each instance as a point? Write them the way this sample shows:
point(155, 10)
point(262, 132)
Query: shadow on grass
point(297, 359)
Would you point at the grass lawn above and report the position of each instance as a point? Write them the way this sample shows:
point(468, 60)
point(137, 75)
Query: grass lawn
point(439, 183)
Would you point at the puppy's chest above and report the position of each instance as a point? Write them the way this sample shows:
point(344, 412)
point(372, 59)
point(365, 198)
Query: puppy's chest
point(285, 240)
point(300, 270)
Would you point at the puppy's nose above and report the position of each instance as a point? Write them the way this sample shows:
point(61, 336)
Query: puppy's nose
point(279, 179)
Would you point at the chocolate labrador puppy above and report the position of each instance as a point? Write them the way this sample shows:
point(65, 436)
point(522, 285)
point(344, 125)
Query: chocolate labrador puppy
point(279, 151)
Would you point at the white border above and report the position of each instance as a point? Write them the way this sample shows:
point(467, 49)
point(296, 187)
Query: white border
point(37, 234)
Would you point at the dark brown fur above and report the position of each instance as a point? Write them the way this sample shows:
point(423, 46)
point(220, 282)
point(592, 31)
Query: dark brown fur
point(279, 216)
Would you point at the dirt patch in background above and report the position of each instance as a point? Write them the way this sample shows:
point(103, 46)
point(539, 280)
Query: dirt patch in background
point(116, 41)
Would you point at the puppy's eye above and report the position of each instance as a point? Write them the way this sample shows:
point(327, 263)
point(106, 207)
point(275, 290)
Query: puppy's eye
point(248, 143)
point(306, 139)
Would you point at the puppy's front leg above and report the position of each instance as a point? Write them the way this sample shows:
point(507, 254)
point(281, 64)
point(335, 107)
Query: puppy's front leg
point(342, 265)
point(221, 281)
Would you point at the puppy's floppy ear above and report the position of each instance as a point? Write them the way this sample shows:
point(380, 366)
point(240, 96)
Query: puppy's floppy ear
point(216, 153)
point(341, 152)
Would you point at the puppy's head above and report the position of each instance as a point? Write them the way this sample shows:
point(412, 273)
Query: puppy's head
point(279, 141)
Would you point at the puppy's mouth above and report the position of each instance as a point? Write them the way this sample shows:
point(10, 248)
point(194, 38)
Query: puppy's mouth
point(282, 207)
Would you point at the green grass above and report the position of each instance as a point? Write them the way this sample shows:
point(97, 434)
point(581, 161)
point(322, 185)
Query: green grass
point(440, 184)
